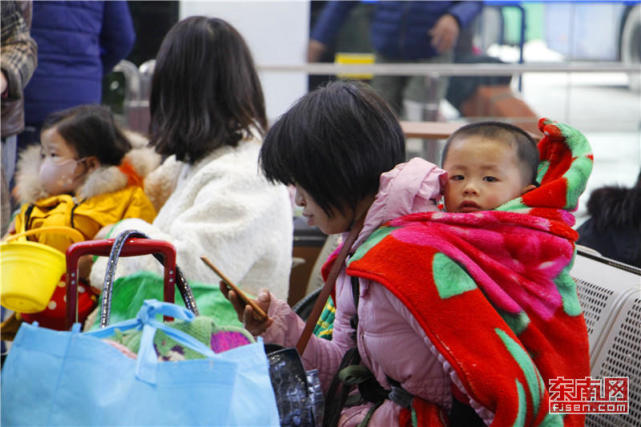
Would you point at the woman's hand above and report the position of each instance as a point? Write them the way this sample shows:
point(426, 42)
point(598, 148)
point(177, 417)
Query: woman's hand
point(4, 83)
point(246, 312)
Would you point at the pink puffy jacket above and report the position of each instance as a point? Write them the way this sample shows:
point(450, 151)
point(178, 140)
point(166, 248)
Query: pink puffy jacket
point(390, 341)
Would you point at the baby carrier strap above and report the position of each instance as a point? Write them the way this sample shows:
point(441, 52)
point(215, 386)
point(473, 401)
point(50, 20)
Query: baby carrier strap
point(351, 373)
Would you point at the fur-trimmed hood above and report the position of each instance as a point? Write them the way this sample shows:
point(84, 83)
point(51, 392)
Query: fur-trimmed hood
point(616, 207)
point(142, 158)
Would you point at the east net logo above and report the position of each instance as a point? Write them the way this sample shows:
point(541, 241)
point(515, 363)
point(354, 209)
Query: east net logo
point(608, 395)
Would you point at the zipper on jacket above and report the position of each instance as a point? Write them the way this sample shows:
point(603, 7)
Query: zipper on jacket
point(27, 217)
point(73, 210)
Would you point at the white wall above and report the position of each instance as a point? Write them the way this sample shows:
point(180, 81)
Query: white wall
point(276, 32)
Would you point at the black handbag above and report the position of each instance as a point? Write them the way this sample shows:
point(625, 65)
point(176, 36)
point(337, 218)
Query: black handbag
point(299, 396)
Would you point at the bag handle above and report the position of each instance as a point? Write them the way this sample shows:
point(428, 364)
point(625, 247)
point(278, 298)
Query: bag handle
point(171, 274)
point(162, 250)
point(329, 286)
point(147, 360)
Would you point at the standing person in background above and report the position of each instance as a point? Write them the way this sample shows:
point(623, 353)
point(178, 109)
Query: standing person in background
point(208, 117)
point(79, 43)
point(402, 31)
point(19, 59)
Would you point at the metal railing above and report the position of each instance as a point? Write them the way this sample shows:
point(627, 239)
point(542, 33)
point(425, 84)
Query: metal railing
point(137, 91)
point(138, 79)
point(411, 69)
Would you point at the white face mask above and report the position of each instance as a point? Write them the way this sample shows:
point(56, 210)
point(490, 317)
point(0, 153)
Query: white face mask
point(58, 175)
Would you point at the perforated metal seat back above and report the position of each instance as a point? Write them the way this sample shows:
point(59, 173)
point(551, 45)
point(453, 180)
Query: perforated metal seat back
point(610, 295)
point(603, 287)
point(594, 299)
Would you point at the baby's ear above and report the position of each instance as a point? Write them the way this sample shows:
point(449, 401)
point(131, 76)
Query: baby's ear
point(528, 188)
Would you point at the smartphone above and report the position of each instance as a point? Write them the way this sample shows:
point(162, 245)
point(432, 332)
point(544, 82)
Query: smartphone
point(259, 313)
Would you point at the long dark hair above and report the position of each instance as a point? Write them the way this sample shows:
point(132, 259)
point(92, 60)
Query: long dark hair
point(205, 91)
point(91, 131)
point(335, 142)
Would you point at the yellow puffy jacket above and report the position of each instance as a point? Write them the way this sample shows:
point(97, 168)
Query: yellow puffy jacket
point(87, 216)
point(108, 195)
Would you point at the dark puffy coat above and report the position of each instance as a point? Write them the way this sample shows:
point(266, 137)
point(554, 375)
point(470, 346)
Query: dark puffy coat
point(399, 28)
point(614, 229)
point(78, 42)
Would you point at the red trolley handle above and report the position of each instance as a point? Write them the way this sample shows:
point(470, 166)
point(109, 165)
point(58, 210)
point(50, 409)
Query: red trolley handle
point(133, 247)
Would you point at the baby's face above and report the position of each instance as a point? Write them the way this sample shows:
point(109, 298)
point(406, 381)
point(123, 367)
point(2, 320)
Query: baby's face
point(482, 174)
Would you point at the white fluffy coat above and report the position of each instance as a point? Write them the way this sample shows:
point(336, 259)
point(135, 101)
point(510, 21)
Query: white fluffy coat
point(221, 207)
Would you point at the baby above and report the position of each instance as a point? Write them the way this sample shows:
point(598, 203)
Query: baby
point(488, 164)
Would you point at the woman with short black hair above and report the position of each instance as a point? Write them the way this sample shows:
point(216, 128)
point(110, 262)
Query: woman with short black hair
point(440, 318)
point(352, 137)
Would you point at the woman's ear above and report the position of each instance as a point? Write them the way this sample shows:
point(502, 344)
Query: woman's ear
point(528, 188)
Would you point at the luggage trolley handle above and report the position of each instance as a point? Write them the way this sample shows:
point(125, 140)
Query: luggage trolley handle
point(136, 244)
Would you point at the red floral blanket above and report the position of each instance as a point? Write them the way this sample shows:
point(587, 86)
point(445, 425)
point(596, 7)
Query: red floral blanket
point(492, 289)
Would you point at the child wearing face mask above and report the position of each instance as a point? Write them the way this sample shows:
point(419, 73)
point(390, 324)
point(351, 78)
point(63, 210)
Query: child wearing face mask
point(86, 174)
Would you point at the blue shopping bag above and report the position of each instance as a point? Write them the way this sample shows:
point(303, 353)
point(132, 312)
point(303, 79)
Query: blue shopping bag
point(73, 378)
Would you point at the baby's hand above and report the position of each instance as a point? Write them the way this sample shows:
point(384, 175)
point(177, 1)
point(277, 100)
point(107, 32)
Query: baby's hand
point(246, 313)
